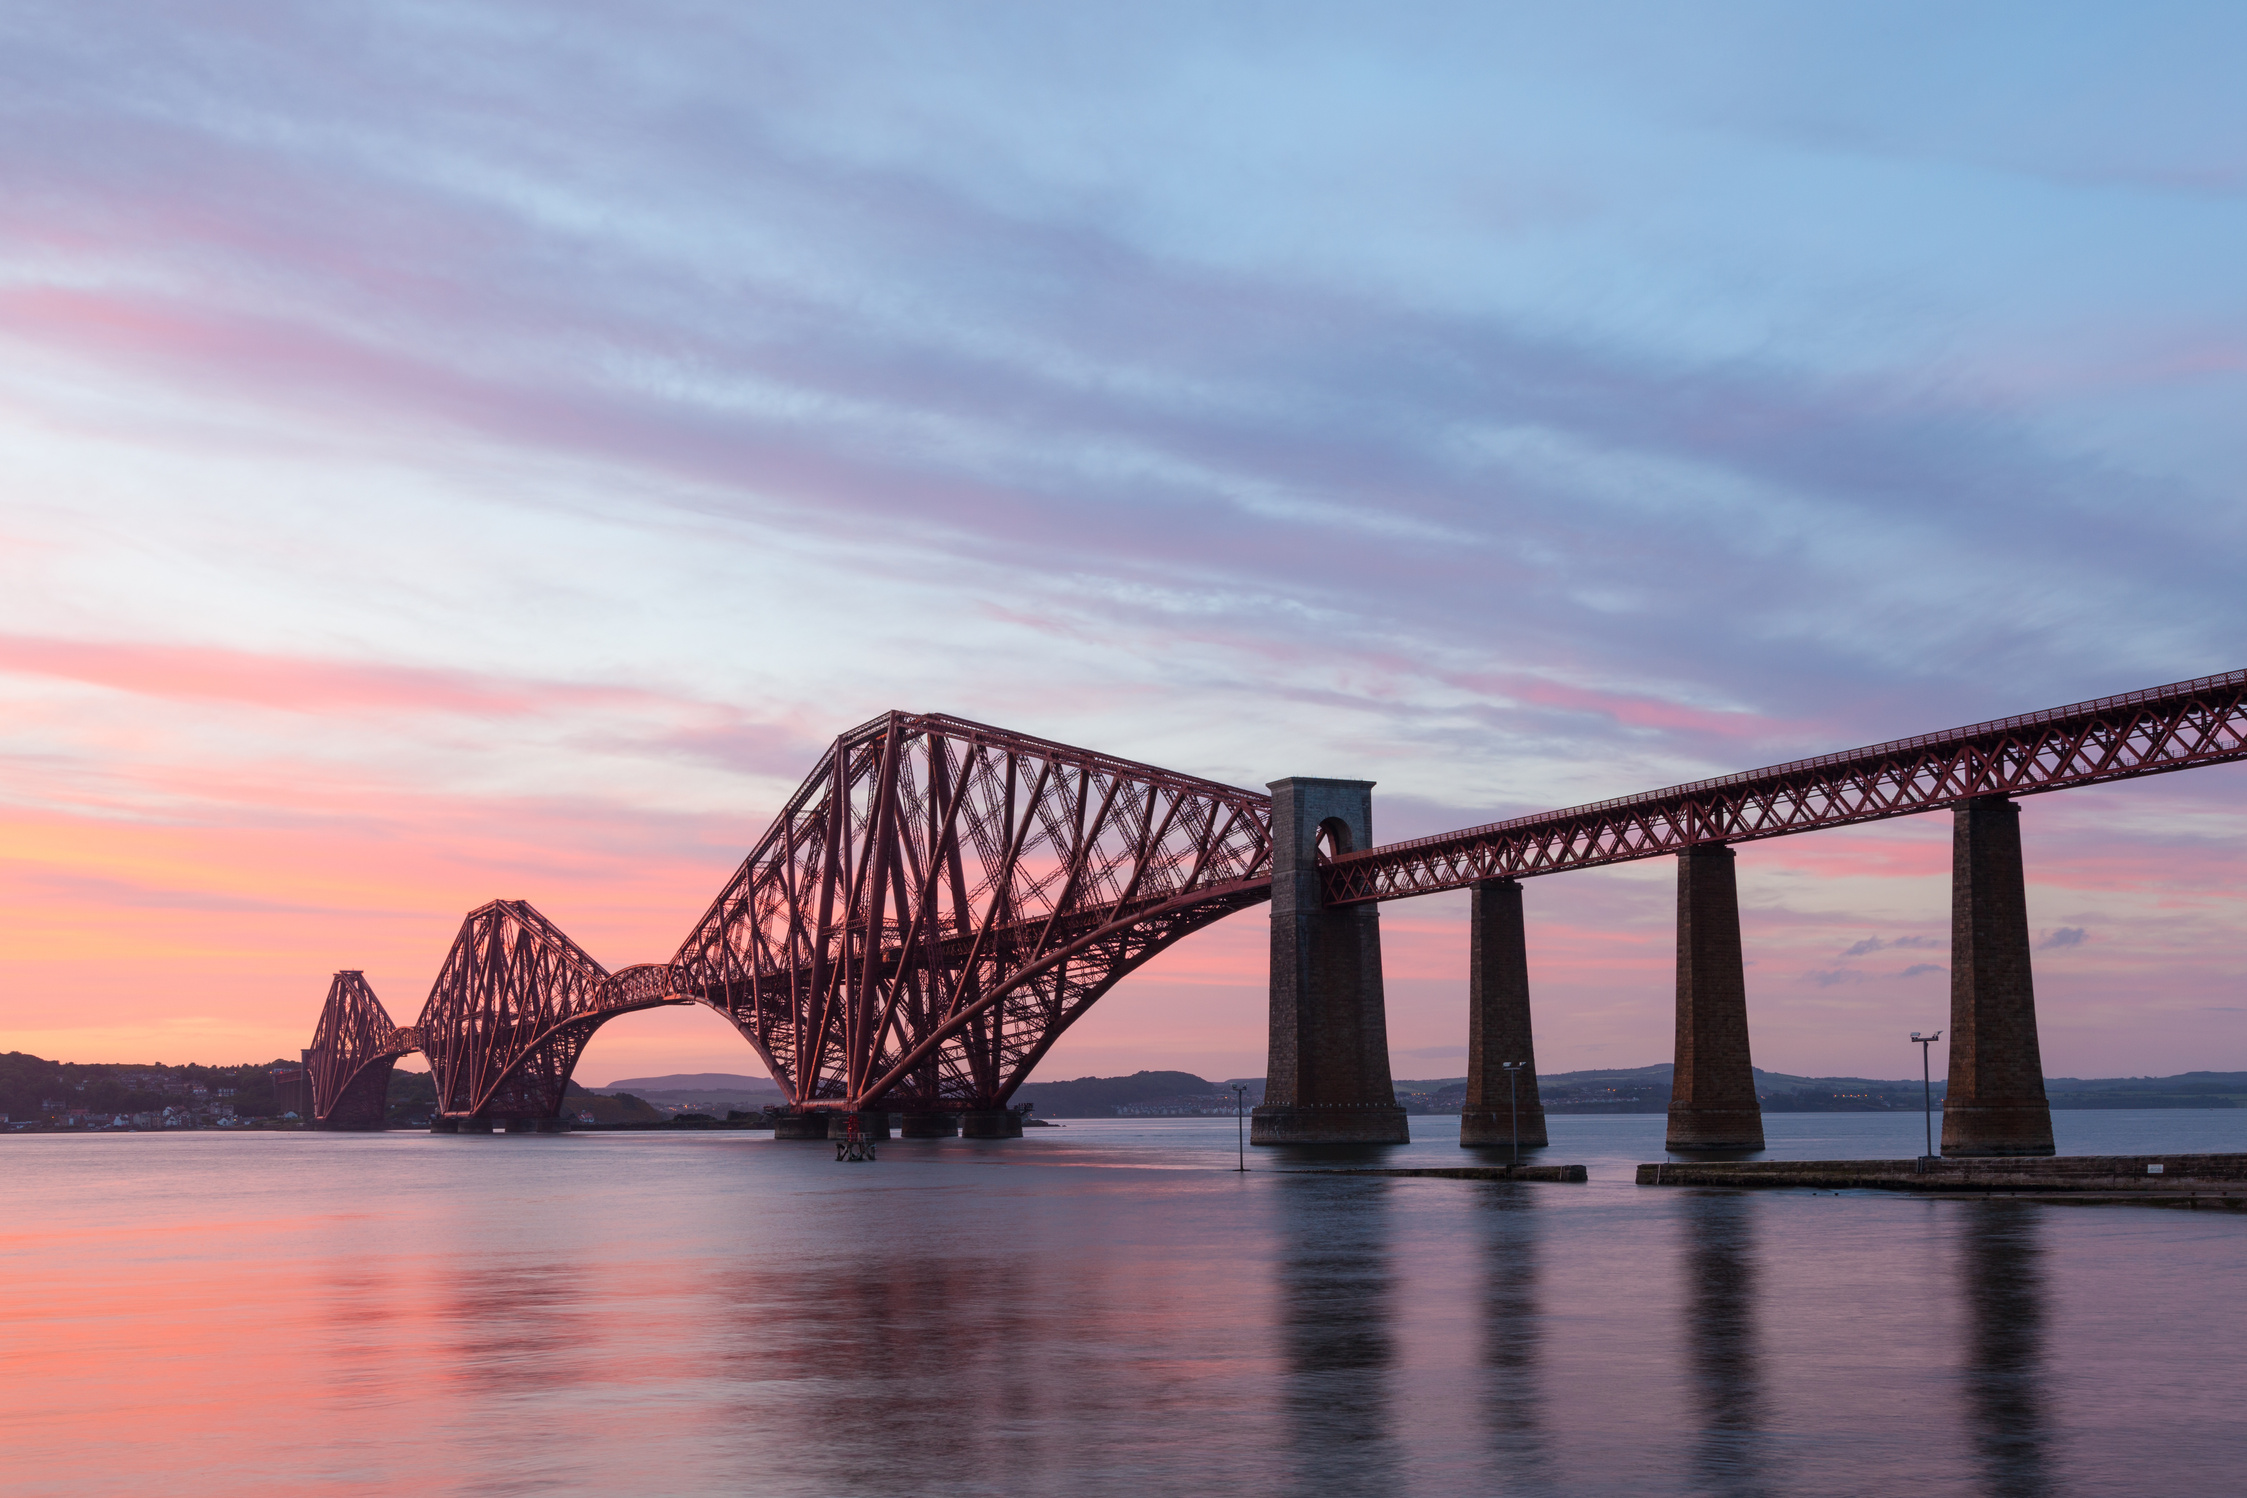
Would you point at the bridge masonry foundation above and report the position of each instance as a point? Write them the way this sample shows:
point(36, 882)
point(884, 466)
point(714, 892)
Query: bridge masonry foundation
point(1327, 1078)
point(990, 1123)
point(1996, 1103)
point(1498, 1022)
point(1712, 1090)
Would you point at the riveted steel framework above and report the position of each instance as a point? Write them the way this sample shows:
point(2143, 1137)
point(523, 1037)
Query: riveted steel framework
point(353, 1049)
point(2200, 722)
point(513, 1007)
point(941, 899)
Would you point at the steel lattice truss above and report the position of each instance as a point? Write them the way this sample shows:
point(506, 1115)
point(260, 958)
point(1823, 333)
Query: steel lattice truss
point(513, 1007)
point(2193, 723)
point(940, 900)
point(353, 1048)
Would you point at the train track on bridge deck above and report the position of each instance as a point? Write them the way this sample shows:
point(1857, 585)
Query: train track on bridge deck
point(2153, 732)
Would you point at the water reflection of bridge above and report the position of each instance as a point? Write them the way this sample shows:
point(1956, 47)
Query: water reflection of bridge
point(940, 900)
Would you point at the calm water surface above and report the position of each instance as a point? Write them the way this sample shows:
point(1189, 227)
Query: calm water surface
point(1098, 1309)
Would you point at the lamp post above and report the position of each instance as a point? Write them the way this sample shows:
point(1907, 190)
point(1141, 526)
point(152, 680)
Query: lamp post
point(1927, 1093)
point(1240, 1124)
point(1512, 1069)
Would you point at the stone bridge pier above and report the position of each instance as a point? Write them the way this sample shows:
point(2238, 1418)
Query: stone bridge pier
point(1498, 1023)
point(1996, 1103)
point(1712, 1088)
point(1327, 1080)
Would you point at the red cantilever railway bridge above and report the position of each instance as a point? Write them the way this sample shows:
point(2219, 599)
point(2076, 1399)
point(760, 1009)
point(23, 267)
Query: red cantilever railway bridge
point(940, 899)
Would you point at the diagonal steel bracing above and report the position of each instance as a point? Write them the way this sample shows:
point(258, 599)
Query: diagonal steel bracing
point(353, 1048)
point(2201, 722)
point(941, 899)
point(514, 1006)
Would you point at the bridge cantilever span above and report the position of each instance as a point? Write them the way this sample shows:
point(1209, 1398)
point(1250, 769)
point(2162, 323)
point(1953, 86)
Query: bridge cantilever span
point(2180, 727)
point(353, 1048)
point(940, 899)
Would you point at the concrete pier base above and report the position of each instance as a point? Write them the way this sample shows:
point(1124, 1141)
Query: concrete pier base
point(800, 1126)
point(474, 1126)
point(1498, 1024)
point(443, 1125)
point(2138, 1175)
point(929, 1126)
point(1327, 1078)
point(991, 1123)
point(873, 1124)
point(1996, 1104)
point(1329, 1123)
point(1712, 1093)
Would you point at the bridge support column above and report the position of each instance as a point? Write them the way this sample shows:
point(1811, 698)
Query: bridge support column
point(873, 1123)
point(929, 1126)
point(1498, 1022)
point(990, 1123)
point(1327, 1079)
point(800, 1126)
point(1712, 1092)
point(1996, 1103)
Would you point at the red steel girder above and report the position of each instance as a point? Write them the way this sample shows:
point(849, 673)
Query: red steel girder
point(940, 899)
point(514, 1006)
point(2179, 727)
point(353, 1048)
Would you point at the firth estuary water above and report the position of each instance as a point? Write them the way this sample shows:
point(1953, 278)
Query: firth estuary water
point(1103, 1308)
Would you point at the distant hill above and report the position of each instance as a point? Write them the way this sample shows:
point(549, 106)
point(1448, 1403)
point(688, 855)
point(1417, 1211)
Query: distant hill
point(1646, 1089)
point(714, 1092)
point(707, 1081)
point(1102, 1097)
point(1642, 1089)
point(2192, 1089)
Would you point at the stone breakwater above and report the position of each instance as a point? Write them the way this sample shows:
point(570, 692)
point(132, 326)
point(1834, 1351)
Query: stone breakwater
point(1472, 1172)
point(2221, 1177)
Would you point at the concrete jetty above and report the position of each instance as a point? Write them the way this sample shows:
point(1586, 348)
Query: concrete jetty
point(2222, 1178)
point(1467, 1172)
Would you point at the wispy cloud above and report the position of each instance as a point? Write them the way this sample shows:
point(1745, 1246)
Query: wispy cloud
point(1872, 944)
point(528, 445)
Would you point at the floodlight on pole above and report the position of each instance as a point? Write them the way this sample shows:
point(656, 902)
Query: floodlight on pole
point(1927, 1092)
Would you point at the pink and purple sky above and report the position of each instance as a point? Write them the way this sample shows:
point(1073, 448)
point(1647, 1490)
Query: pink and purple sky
point(481, 450)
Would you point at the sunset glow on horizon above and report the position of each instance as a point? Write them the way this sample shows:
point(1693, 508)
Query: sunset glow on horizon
point(490, 452)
